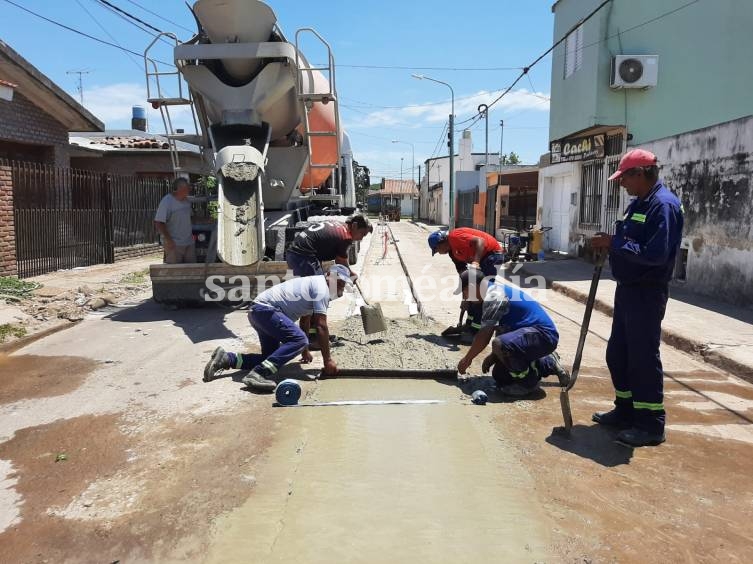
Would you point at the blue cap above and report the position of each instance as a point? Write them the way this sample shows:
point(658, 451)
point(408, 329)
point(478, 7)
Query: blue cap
point(436, 238)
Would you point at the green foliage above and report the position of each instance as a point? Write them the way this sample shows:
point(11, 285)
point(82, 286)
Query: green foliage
point(511, 159)
point(362, 181)
point(135, 278)
point(12, 286)
point(10, 330)
point(207, 185)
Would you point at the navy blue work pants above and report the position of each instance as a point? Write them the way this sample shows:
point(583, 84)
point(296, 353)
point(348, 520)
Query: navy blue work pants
point(281, 339)
point(633, 355)
point(303, 265)
point(525, 356)
point(491, 262)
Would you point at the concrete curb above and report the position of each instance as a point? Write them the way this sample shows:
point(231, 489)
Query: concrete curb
point(673, 339)
point(419, 305)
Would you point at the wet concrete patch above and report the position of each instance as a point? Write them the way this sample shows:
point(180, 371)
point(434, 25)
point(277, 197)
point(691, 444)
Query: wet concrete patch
point(29, 376)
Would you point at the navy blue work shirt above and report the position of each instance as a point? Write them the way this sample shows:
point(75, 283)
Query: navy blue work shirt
point(645, 243)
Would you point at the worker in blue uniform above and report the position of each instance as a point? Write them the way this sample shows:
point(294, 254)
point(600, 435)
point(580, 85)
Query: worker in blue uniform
point(524, 352)
point(642, 255)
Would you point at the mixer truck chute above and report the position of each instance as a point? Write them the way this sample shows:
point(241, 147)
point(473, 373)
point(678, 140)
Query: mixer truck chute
point(269, 127)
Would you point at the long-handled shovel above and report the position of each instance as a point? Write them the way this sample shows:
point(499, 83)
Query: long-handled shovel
point(371, 316)
point(564, 397)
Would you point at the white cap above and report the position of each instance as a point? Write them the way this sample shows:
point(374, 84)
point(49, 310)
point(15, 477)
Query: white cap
point(341, 271)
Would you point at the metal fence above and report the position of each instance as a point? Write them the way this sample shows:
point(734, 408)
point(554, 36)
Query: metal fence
point(65, 218)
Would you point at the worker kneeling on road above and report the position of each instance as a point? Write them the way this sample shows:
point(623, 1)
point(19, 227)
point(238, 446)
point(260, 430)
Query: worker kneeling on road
point(469, 246)
point(273, 314)
point(524, 351)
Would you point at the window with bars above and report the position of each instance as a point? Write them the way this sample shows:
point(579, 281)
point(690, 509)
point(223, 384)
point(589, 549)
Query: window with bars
point(574, 51)
point(591, 194)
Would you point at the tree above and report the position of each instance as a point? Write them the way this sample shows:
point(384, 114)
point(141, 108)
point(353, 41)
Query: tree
point(511, 159)
point(362, 181)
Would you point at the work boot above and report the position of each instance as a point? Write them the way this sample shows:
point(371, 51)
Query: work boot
point(635, 437)
point(612, 419)
point(257, 380)
point(518, 390)
point(216, 364)
point(562, 374)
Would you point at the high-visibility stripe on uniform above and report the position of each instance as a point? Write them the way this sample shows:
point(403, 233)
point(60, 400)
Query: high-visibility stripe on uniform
point(312, 330)
point(476, 325)
point(647, 405)
point(520, 375)
point(623, 395)
point(238, 361)
point(270, 366)
point(638, 217)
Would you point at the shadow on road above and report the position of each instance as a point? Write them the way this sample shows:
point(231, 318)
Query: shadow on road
point(592, 442)
point(436, 340)
point(199, 324)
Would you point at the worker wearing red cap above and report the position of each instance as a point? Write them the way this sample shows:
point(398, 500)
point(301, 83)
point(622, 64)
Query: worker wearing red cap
point(642, 255)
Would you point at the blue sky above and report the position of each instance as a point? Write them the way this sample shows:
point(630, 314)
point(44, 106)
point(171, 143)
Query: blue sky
point(377, 105)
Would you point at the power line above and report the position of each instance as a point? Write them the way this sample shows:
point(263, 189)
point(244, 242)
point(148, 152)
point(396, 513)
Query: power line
point(131, 16)
point(97, 39)
point(192, 31)
point(581, 22)
point(132, 20)
point(96, 21)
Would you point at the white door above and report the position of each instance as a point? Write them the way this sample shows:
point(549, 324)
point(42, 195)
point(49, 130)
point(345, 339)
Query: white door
point(556, 213)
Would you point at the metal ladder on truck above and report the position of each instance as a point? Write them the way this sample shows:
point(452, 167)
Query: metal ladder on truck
point(155, 96)
point(309, 99)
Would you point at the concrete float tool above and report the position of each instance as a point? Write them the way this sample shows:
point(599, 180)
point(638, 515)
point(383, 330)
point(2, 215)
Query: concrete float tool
point(564, 397)
point(288, 392)
point(457, 330)
point(371, 316)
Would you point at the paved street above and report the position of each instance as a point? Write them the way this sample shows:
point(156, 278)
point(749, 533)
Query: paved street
point(112, 446)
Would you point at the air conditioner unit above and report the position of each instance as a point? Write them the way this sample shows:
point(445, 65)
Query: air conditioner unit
point(634, 71)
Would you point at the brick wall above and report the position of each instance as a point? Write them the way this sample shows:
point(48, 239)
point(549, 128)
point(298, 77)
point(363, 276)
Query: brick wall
point(7, 233)
point(23, 122)
point(123, 253)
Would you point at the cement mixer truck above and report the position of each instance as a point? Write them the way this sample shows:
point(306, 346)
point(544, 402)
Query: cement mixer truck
point(268, 124)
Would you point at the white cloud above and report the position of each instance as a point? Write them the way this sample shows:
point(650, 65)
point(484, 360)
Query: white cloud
point(466, 106)
point(112, 104)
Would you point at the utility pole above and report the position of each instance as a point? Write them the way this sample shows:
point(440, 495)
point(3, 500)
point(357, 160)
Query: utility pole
point(501, 141)
point(452, 167)
point(483, 109)
point(80, 88)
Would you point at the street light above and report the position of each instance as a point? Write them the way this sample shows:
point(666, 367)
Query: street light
point(452, 143)
point(413, 155)
point(401, 169)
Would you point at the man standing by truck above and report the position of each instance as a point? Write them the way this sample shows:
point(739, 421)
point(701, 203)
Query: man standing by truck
point(273, 314)
point(173, 222)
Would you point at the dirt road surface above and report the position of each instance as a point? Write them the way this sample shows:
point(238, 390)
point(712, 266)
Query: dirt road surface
point(112, 449)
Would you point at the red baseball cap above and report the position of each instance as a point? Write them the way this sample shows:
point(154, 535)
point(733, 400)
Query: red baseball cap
point(633, 159)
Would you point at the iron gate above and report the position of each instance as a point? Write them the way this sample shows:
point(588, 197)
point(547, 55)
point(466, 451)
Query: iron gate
point(66, 218)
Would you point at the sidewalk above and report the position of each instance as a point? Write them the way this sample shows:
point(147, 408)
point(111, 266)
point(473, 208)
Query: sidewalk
point(721, 333)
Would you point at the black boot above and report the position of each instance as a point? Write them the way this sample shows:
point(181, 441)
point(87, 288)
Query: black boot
point(614, 418)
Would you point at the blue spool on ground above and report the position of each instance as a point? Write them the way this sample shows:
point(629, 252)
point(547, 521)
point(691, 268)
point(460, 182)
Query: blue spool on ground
point(288, 392)
point(479, 397)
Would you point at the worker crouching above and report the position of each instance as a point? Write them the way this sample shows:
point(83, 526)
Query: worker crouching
point(524, 351)
point(273, 315)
